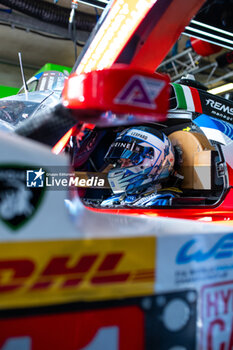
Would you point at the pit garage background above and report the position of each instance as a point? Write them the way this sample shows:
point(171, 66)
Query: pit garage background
point(39, 30)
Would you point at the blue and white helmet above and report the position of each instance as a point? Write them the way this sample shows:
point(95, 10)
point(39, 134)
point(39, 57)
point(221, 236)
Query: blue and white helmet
point(141, 156)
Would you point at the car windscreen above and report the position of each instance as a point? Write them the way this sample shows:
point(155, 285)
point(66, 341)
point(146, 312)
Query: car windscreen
point(13, 112)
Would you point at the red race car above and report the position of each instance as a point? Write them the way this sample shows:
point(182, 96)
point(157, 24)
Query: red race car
point(199, 127)
point(114, 87)
point(83, 278)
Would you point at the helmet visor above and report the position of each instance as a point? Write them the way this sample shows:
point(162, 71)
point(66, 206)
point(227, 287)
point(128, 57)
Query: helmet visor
point(127, 150)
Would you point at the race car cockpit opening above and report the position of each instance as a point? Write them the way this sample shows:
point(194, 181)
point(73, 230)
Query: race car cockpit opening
point(198, 176)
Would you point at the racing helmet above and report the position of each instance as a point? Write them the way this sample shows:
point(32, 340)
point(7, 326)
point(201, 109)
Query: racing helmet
point(141, 156)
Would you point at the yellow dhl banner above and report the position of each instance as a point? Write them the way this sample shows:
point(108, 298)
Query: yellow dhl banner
point(43, 273)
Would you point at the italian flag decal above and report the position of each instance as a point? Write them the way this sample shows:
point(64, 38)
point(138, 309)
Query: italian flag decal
point(187, 98)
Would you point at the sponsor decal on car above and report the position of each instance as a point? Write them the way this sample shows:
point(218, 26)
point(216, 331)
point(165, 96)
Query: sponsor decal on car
point(49, 272)
point(194, 100)
point(192, 251)
point(18, 203)
point(205, 258)
point(114, 325)
point(217, 107)
point(217, 316)
point(194, 260)
point(112, 328)
point(140, 91)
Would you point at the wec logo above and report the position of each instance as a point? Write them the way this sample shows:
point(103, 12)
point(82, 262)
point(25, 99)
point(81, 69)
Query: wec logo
point(194, 250)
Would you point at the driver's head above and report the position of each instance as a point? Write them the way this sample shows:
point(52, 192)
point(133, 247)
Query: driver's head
point(141, 156)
